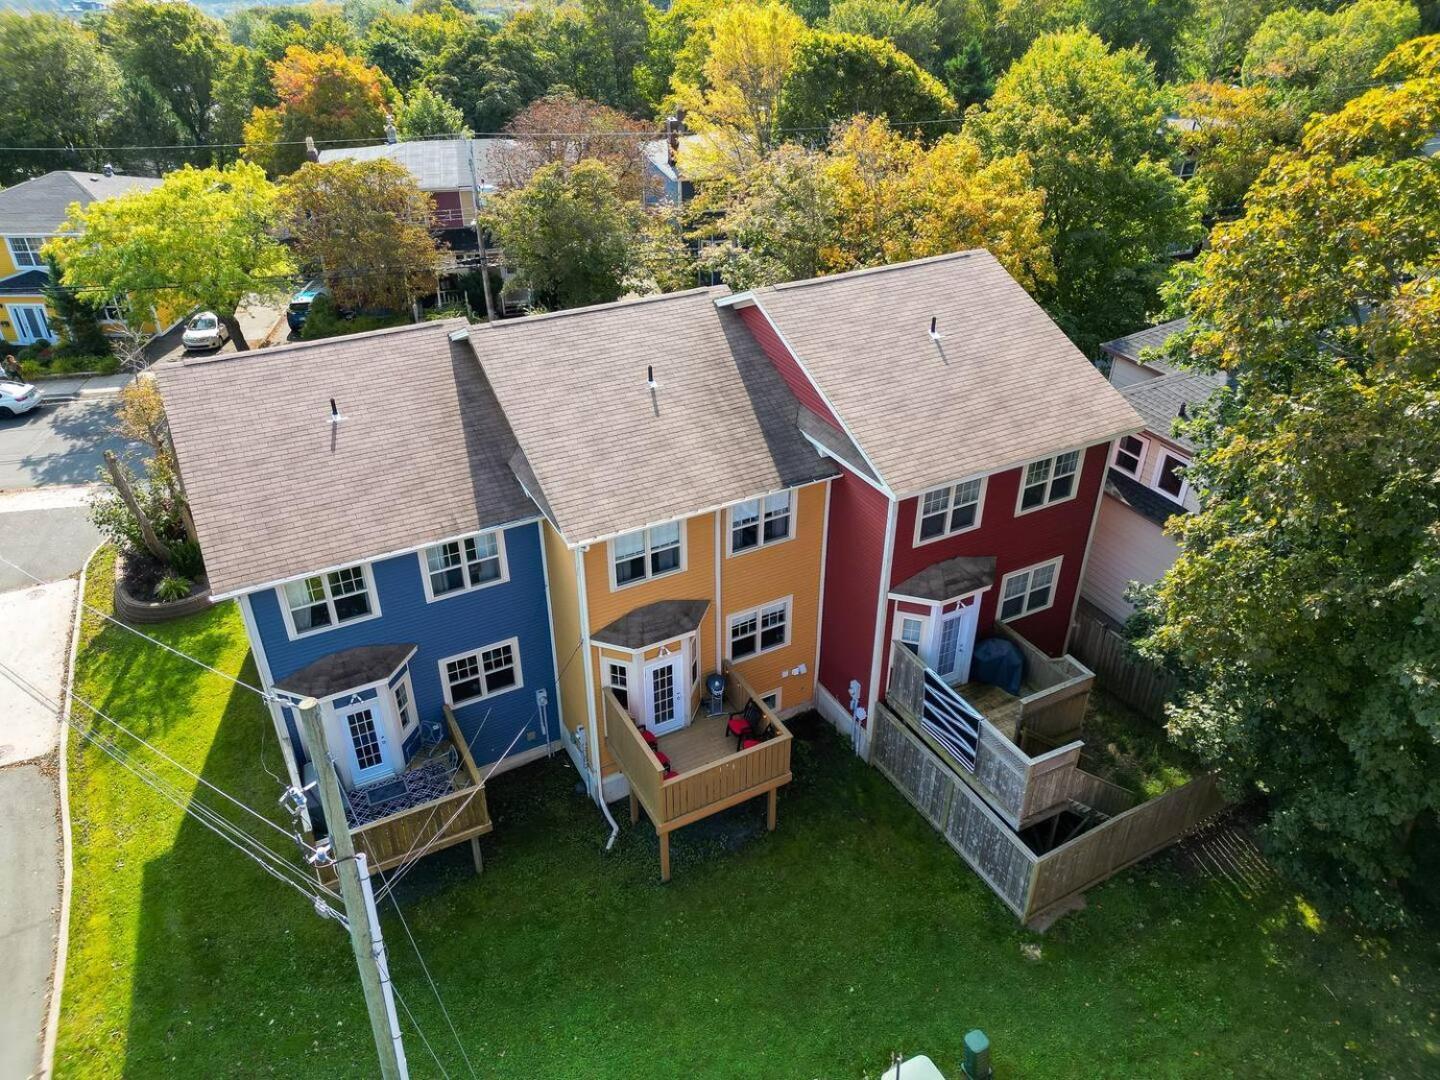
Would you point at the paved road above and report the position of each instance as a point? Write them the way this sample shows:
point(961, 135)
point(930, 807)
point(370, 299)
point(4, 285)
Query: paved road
point(57, 444)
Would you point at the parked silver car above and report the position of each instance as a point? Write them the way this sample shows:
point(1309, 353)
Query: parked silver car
point(205, 331)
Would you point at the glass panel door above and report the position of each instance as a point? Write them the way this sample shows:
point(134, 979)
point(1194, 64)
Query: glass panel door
point(367, 744)
point(957, 642)
point(30, 323)
point(664, 695)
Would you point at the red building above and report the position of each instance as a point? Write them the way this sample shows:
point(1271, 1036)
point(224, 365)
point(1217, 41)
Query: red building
point(973, 439)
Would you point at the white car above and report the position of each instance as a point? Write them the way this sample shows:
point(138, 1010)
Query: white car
point(205, 331)
point(17, 398)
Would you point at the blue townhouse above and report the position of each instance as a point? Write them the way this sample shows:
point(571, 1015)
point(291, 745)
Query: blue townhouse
point(355, 496)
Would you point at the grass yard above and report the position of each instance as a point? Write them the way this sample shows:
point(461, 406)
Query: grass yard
point(851, 932)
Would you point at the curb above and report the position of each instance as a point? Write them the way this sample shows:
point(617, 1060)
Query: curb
point(62, 940)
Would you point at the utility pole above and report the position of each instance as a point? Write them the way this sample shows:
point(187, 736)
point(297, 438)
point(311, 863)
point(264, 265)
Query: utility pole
point(360, 916)
point(480, 233)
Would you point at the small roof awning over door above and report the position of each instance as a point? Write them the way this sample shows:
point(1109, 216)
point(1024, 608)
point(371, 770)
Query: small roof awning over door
point(949, 579)
point(653, 624)
point(346, 670)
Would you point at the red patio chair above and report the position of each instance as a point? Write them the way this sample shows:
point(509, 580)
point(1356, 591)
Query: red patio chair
point(745, 725)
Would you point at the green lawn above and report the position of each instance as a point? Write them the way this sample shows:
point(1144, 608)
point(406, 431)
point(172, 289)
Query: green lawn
point(851, 932)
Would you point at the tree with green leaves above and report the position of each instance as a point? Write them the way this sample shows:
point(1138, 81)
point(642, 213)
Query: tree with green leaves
point(1152, 26)
point(175, 49)
point(569, 235)
point(72, 89)
point(912, 26)
point(204, 238)
point(1322, 58)
point(968, 75)
point(1304, 607)
point(615, 45)
point(364, 226)
point(425, 114)
point(1236, 131)
point(77, 313)
point(1091, 123)
point(839, 75)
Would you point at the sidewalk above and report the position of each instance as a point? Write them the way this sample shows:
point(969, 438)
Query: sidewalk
point(73, 388)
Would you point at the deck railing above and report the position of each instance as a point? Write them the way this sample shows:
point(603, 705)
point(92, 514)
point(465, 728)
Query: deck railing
point(461, 815)
point(1059, 690)
point(628, 748)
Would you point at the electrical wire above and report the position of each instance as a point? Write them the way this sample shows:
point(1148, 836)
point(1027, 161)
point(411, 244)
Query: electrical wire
point(418, 1029)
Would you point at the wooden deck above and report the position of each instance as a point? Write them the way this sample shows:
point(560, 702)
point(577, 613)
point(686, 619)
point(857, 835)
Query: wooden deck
point(1000, 707)
point(698, 745)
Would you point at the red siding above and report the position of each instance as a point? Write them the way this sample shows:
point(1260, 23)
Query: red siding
point(854, 552)
point(1016, 543)
point(799, 383)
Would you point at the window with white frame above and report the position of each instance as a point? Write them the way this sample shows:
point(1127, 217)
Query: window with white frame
point(949, 510)
point(404, 707)
point(461, 565)
point(326, 600)
point(617, 678)
point(1027, 591)
point(760, 630)
point(912, 627)
point(1128, 453)
point(758, 522)
point(649, 553)
point(1168, 476)
point(1049, 480)
point(481, 674)
point(25, 250)
point(771, 700)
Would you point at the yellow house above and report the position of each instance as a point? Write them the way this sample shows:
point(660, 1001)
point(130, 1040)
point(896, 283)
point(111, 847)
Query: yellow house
point(685, 524)
point(31, 212)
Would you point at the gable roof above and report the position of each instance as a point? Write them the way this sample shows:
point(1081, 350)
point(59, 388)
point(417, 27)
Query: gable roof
point(1152, 337)
point(30, 282)
point(1159, 400)
point(278, 491)
point(1144, 500)
point(37, 207)
point(1003, 386)
point(436, 164)
point(610, 456)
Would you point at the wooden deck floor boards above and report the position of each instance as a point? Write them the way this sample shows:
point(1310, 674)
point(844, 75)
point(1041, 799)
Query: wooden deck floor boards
point(701, 742)
point(998, 706)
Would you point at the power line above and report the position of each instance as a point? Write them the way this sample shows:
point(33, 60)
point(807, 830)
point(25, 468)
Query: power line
point(424, 967)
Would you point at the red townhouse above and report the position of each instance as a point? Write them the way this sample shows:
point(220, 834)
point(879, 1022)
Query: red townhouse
point(972, 439)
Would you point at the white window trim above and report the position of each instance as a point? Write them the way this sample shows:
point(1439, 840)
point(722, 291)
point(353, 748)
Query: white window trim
point(762, 544)
point(395, 707)
point(519, 684)
point(1139, 458)
point(15, 259)
point(1054, 589)
point(979, 509)
point(431, 598)
point(1159, 471)
point(1080, 452)
point(649, 577)
point(740, 616)
point(628, 666)
point(370, 589)
point(775, 708)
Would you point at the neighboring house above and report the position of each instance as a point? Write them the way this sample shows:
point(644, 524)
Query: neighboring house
point(31, 212)
point(385, 559)
point(666, 181)
point(1145, 485)
point(685, 526)
point(972, 440)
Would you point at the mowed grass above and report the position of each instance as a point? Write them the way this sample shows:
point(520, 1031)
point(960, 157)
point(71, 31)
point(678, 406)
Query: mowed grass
point(851, 932)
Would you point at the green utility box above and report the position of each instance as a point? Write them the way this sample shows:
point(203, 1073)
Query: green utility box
point(977, 1056)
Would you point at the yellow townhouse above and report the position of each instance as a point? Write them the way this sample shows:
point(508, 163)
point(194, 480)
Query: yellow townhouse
point(685, 527)
point(31, 212)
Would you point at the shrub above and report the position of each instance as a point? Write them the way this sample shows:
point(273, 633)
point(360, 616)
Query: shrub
point(173, 587)
point(324, 321)
point(186, 559)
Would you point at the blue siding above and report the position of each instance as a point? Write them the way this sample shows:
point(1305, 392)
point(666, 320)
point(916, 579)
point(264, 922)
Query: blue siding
point(455, 624)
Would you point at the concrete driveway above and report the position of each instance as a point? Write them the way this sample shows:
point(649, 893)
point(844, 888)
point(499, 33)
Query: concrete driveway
point(262, 320)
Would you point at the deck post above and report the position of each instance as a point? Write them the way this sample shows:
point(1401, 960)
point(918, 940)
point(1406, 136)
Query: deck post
point(634, 809)
point(665, 855)
point(771, 798)
point(477, 856)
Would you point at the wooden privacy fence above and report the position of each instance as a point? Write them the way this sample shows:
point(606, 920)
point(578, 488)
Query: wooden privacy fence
point(1142, 685)
point(1057, 690)
point(1028, 883)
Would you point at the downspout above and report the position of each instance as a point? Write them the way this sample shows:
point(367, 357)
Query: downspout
point(719, 602)
point(1089, 543)
point(590, 695)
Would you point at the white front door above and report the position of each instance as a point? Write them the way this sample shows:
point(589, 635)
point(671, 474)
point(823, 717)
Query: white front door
point(665, 694)
point(956, 643)
point(364, 730)
point(31, 323)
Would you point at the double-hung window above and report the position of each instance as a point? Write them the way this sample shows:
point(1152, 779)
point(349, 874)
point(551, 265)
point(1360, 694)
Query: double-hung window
point(1049, 480)
point(460, 565)
point(949, 510)
point(617, 677)
point(25, 250)
point(649, 553)
point(326, 600)
point(477, 675)
point(404, 707)
point(1027, 591)
point(1128, 453)
point(1168, 477)
point(758, 522)
point(760, 630)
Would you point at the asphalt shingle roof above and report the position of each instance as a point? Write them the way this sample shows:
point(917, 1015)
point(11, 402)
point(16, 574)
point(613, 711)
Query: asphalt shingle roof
point(37, 207)
point(26, 283)
point(437, 164)
point(278, 491)
point(1002, 386)
point(1158, 400)
point(609, 455)
point(1145, 501)
point(1152, 337)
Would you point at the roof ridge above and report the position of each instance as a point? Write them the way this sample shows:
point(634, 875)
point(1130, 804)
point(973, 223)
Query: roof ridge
point(625, 302)
point(869, 270)
point(297, 346)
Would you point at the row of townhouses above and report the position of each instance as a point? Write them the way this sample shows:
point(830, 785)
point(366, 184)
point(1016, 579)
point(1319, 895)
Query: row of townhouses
point(478, 545)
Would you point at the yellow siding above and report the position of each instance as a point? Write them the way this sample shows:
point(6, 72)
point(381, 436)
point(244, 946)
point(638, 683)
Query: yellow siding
point(565, 615)
point(6, 327)
point(755, 578)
